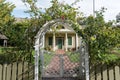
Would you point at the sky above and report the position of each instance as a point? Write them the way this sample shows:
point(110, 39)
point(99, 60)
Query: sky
point(86, 6)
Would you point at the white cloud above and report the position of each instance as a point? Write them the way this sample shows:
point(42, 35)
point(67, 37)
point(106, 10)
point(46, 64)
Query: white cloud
point(67, 1)
point(44, 3)
point(86, 6)
point(18, 3)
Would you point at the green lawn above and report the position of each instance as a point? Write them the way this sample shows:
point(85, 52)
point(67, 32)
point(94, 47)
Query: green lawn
point(118, 50)
point(74, 57)
point(47, 58)
point(1, 50)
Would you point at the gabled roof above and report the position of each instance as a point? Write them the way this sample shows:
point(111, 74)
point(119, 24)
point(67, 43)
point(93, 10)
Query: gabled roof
point(3, 36)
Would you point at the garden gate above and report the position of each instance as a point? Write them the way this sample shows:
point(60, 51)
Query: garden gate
point(57, 65)
point(51, 66)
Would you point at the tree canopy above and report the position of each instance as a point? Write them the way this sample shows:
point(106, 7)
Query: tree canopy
point(101, 37)
point(6, 19)
point(118, 17)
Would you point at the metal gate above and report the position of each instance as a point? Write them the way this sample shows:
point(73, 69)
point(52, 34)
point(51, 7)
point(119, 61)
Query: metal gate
point(56, 66)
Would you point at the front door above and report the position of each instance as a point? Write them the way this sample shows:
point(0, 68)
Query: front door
point(59, 43)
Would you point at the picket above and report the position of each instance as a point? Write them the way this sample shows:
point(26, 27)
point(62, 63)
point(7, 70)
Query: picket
point(117, 73)
point(111, 73)
point(14, 69)
point(104, 68)
point(4, 71)
point(92, 72)
point(98, 72)
point(20, 71)
point(8, 72)
point(25, 71)
point(31, 72)
point(1, 72)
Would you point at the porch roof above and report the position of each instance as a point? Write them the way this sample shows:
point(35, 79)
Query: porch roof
point(61, 31)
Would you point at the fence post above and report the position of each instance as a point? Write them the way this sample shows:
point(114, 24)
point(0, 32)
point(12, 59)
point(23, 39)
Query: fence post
point(82, 61)
point(36, 62)
point(41, 63)
point(86, 62)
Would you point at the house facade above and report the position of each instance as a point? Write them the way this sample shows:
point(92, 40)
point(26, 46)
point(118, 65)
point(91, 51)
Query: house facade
point(61, 37)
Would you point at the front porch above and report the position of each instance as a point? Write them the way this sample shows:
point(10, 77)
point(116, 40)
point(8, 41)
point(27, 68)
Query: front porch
point(66, 41)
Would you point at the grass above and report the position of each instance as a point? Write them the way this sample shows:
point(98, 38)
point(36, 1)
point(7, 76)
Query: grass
point(47, 58)
point(118, 50)
point(0, 50)
point(74, 57)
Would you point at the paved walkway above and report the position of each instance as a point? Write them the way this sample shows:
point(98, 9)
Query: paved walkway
point(57, 62)
point(60, 51)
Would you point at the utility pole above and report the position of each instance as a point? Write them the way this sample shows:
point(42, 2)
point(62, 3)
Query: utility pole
point(93, 8)
point(94, 13)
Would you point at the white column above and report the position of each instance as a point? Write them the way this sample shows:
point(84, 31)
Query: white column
point(76, 41)
point(86, 62)
point(66, 42)
point(53, 41)
point(36, 72)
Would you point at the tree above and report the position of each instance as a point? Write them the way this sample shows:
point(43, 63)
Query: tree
point(61, 11)
point(55, 11)
point(37, 20)
point(118, 17)
point(101, 38)
point(17, 34)
point(6, 19)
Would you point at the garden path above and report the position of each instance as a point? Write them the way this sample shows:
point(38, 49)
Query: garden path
point(54, 67)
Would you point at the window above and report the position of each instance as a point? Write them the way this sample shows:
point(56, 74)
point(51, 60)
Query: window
point(50, 41)
point(69, 40)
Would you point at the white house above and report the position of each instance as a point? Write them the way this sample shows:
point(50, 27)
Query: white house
point(61, 36)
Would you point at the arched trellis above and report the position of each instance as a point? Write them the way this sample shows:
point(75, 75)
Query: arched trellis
point(84, 59)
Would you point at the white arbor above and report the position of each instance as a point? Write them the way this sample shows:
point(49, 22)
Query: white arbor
point(84, 58)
